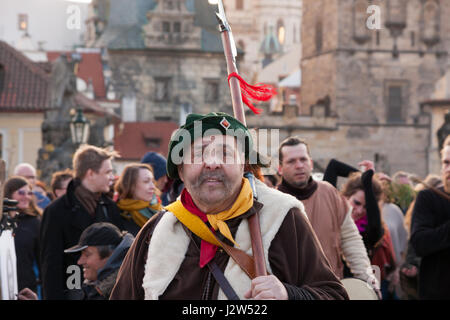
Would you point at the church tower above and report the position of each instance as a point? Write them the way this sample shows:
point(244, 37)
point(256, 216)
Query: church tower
point(372, 63)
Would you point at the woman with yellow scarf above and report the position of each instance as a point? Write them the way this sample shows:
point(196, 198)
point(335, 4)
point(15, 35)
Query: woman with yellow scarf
point(138, 197)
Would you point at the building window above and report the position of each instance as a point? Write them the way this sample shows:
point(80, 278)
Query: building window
point(395, 103)
point(177, 27)
point(166, 26)
point(319, 36)
point(239, 4)
point(396, 97)
point(23, 22)
point(162, 87)
point(212, 90)
point(168, 5)
point(152, 142)
point(2, 77)
point(281, 32)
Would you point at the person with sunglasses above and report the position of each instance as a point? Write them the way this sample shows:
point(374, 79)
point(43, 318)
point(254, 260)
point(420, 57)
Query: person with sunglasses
point(26, 239)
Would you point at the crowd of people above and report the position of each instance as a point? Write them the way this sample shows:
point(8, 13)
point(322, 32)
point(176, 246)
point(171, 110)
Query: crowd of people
point(160, 230)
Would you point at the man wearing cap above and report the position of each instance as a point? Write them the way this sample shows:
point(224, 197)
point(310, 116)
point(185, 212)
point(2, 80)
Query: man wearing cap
point(103, 247)
point(180, 253)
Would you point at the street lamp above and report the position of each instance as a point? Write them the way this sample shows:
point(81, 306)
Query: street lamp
point(79, 127)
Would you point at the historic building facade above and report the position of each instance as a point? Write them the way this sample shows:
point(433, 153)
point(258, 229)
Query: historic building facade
point(372, 81)
point(166, 57)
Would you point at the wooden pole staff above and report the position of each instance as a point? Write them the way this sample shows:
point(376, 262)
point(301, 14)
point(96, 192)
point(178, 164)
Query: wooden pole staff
point(229, 47)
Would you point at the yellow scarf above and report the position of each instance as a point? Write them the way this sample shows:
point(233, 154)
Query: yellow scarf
point(242, 204)
point(131, 207)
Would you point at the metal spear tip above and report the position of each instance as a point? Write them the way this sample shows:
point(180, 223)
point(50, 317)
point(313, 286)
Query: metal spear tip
point(221, 17)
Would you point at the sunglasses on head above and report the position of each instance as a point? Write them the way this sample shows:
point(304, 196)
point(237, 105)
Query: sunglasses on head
point(24, 193)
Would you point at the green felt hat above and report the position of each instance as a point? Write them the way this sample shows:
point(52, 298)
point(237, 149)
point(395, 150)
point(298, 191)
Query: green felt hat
point(186, 134)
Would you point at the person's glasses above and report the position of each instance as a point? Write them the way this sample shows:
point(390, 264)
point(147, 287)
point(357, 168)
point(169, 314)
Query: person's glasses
point(24, 193)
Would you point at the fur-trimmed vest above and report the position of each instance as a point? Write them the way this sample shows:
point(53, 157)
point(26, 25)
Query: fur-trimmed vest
point(170, 242)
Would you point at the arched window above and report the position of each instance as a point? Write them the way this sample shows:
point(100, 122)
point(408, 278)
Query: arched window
point(281, 32)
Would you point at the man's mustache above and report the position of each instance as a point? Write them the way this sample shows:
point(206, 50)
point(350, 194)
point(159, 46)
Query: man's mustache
point(219, 176)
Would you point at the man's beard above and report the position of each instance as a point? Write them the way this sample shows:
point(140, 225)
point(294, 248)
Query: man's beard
point(300, 184)
point(203, 195)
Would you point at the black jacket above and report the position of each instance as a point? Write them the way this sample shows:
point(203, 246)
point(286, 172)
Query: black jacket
point(26, 241)
point(63, 222)
point(430, 238)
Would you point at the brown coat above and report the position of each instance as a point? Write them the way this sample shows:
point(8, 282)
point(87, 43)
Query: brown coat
point(295, 257)
point(326, 210)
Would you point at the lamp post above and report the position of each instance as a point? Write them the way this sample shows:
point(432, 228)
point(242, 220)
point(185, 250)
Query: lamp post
point(79, 127)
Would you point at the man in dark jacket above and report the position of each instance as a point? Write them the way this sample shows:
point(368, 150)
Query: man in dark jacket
point(65, 219)
point(103, 247)
point(430, 230)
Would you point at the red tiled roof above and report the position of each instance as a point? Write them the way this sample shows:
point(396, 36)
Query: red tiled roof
point(90, 67)
point(131, 138)
point(25, 84)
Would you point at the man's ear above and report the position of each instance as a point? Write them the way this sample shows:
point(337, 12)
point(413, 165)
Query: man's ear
point(180, 172)
point(88, 174)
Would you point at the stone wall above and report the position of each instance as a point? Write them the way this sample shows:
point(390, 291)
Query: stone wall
point(391, 148)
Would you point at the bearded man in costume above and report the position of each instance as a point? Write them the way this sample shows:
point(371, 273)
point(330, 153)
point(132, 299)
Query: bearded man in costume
point(183, 252)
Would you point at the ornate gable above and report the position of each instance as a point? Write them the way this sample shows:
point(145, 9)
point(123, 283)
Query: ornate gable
point(171, 25)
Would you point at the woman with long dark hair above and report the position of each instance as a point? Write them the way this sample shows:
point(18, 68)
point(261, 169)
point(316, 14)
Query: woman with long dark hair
point(26, 235)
